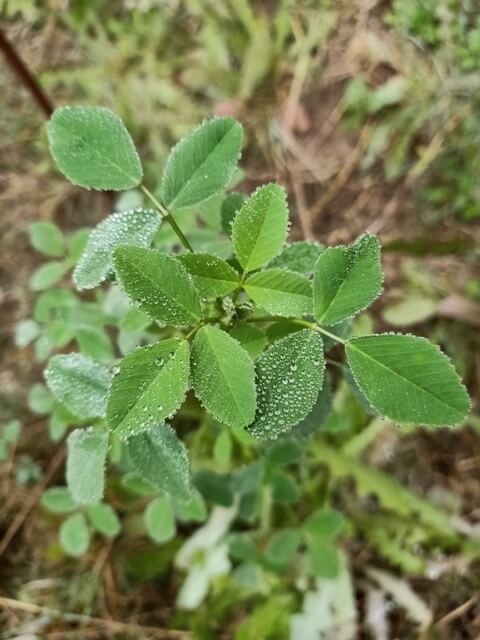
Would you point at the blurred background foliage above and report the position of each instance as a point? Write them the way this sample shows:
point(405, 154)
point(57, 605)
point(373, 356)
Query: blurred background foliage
point(367, 112)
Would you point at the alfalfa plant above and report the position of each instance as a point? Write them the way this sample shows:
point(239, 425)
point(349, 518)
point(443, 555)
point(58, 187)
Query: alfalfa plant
point(247, 334)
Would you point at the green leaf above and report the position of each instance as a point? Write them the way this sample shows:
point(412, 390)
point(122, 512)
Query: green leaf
point(324, 558)
point(222, 449)
point(317, 416)
point(136, 227)
point(81, 384)
point(215, 487)
point(87, 452)
point(408, 379)
point(193, 511)
point(94, 342)
point(289, 378)
point(252, 339)
point(230, 206)
point(202, 163)
point(47, 238)
point(74, 535)
point(40, 399)
point(346, 280)
point(284, 489)
point(299, 257)
point(93, 149)
point(280, 291)
point(260, 227)
point(284, 452)
point(47, 275)
point(104, 519)
point(161, 459)
point(58, 500)
point(281, 548)
point(410, 311)
point(325, 524)
point(212, 276)
point(150, 385)
point(223, 377)
point(160, 519)
point(159, 284)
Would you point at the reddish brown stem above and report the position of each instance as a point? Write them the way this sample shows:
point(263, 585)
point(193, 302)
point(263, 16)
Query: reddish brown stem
point(26, 77)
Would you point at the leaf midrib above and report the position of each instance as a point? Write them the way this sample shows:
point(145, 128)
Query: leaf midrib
point(101, 156)
point(410, 382)
point(156, 285)
point(240, 411)
point(147, 388)
point(171, 204)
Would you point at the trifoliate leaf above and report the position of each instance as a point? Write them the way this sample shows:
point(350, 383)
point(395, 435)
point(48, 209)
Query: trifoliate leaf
point(159, 284)
point(260, 227)
point(346, 280)
point(202, 163)
point(93, 149)
point(135, 227)
point(299, 257)
point(289, 378)
point(58, 500)
point(104, 519)
point(74, 535)
point(161, 459)
point(150, 386)
point(212, 276)
point(252, 339)
point(47, 238)
point(230, 206)
point(87, 452)
point(223, 377)
point(408, 379)
point(280, 291)
point(325, 524)
point(160, 519)
point(81, 384)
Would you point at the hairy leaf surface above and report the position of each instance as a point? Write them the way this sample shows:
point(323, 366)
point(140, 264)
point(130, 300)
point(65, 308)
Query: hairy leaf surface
point(161, 459)
point(280, 291)
point(223, 377)
point(212, 276)
point(408, 379)
point(202, 163)
point(347, 280)
point(150, 385)
point(80, 383)
point(87, 452)
point(289, 378)
point(93, 149)
point(159, 284)
point(135, 227)
point(260, 227)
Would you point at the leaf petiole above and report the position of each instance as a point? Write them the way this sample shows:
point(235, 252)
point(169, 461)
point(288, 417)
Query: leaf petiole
point(168, 217)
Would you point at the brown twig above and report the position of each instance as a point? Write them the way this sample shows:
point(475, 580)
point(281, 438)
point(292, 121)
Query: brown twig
point(78, 618)
point(26, 77)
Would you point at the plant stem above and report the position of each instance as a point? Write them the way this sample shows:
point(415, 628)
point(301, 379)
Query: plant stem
point(302, 323)
point(168, 217)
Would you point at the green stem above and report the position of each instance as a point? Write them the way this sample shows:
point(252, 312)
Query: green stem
point(168, 217)
point(302, 323)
